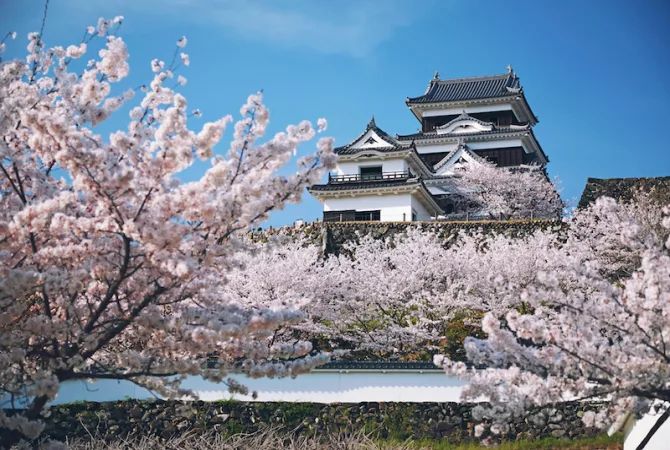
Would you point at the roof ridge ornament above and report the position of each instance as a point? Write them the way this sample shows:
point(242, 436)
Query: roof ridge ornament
point(510, 69)
point(436, 77)
point(513, 90)
point(372, 123)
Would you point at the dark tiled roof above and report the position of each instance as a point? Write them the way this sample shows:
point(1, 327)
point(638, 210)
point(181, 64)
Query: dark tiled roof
point(473, 88)
point(346, 150)
point(378, 365)
point(363, 185)
point(430, 159)
point(624, 189)
point(393, 144)
point(434, 135)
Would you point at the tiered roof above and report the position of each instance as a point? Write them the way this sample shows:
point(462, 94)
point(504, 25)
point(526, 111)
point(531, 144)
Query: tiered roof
point(459, 91)
point(392, 144)
point(461, 152)
point(512, 130)
point(413, 182)
point(471, 88)
point(450, 130)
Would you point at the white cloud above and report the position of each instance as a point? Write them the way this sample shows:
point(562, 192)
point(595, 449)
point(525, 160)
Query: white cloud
point(345, 27)
point(349, 27)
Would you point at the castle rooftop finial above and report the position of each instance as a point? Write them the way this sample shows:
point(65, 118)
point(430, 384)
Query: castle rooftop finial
point(436, 76)
point(510, 69)
point(372, 123)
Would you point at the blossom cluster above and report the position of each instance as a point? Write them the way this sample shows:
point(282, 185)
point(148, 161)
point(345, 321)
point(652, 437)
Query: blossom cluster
point(501, 192)
point(594, 323)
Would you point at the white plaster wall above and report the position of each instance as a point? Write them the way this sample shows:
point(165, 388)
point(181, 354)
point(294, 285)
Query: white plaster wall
point(349, 168)
point(421, 212)
point(424, 148)
point(394, 165)
point(318, 387)
point(659, 441)
point(392, 207)
point(467, 109)
point(388, 165)
point(495, 144)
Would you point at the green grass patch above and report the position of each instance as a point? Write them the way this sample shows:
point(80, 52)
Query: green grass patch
point(601, 441)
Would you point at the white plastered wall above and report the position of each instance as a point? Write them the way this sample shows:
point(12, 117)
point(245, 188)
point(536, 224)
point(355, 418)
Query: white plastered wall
point(388, 165)
point(421, 211)
point(423, 148)
point(317, 386)
point(393, 207)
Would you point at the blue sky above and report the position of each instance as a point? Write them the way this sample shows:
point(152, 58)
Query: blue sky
point(594, 72)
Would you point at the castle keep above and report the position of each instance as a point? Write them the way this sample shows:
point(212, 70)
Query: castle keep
point(380, 177)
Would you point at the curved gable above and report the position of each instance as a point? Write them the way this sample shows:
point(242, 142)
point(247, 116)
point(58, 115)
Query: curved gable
point(464, 124)
point(458, 157)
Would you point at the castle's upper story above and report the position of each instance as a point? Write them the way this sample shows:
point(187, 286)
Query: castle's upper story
point(498, 99)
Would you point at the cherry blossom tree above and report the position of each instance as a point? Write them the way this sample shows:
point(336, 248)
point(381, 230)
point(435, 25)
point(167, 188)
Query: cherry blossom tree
point(282, 272)
point(392, 297)
point(599, 232)
point(593, 329)
point(397, 295)
point(520, 192)
point(375, 291)
point(111, 267)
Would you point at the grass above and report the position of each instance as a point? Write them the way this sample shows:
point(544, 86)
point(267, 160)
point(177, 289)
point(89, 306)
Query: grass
point(275, 439)
point(599, 442)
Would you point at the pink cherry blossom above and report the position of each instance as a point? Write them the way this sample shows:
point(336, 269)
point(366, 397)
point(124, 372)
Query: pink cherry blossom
point(519, 192)
point(110, 265)
point(594, 324)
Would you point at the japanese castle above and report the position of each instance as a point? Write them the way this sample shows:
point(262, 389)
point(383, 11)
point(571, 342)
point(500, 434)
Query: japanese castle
point(380, 177)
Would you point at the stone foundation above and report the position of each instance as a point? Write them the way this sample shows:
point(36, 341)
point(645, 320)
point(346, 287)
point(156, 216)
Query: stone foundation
point(166, 419)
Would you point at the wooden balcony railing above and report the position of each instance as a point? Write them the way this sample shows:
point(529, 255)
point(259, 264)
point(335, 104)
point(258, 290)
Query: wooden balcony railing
point(357, 178)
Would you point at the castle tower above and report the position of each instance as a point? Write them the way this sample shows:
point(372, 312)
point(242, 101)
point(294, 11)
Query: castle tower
point(407, 177)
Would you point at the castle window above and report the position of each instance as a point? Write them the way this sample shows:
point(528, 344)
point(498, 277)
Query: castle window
point(351, 215)
point(371, 173)
point(364, 216)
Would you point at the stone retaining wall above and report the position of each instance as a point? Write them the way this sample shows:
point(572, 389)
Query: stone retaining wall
point(386, 420)
point(333, 236)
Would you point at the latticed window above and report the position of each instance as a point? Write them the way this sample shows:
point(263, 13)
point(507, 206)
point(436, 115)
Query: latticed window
point(362, 216)
point(371, 173)
point(351, 215)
